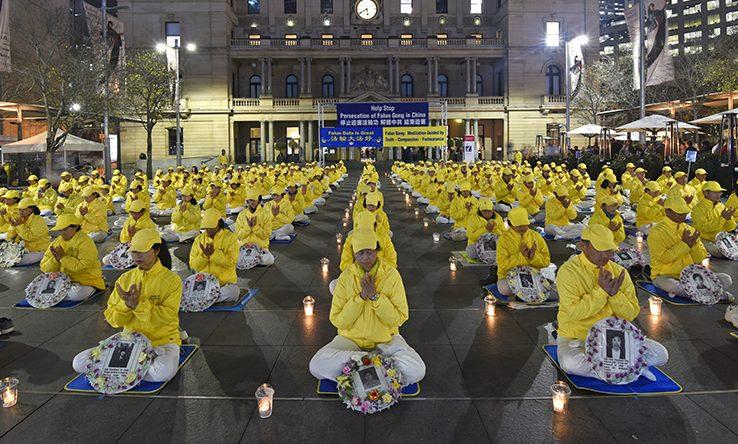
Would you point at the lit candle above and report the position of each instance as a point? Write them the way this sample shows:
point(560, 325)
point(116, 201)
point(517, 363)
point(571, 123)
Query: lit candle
point(339, 238)
point(417, 212)
point(639, 237)
point(324, 264)
point(489, 305)
point(452, 263)
point(308, 304)
point(706, 262)
point(654, 304)
point(264, 398)
point(425, 222)
point(560, 395)
point(9, 390)
point(436, 237)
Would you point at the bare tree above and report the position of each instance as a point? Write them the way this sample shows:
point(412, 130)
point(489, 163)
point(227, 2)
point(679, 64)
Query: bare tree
point(64, 78)
point(605, 85)
point(146, 96)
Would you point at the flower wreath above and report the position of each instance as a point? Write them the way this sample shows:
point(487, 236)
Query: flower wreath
point(198, 301)
point(486, 247)
point(11, 253)
point(119, 258)
point(722, 239)
point(111, 385)
point(376, 400)
point(595, 347)
point(635, 257)
point(536, 295)
point(248, 257)
point(36, 296)
point(708, 292)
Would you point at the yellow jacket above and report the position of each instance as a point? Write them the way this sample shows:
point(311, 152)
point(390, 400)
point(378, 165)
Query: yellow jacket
point(166, 198)
point(477, 226)
point(503, 194)
point(11, 212)
point(259, 233)
point(222, 263)
point(80, 261)
point(188, 220)
point(284, 216)
point(118, 185)
point(157, 314)
point(68, 204)
point(600, 218)
point(509, 254)
point(557, 215)
point(582, 302)
point(96, 218)
point(649, 210)
point(365, 322)
point(297, 201)
point(34, 232)
point(383, 226)
point(143, 196)
point(666, 182)
point(685, 191)
point(218, 203)
point(142, 222)
point(387, 251)
point(733, 203)
point(707, 219)
point(697, 185)
point(669, 254)
point(236, 198)
point(460, 213)
point(637, 191)
point(47, 201)
point(531, 202)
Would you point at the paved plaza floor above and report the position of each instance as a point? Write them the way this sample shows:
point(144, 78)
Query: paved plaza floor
point(487, 378)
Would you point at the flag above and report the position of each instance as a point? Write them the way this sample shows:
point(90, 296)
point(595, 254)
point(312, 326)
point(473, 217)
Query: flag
point(5, 35)
point(116, 40)
point(659, 66)
point(575, 70)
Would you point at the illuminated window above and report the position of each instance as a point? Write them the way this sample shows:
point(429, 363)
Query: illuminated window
point(689, 36)
point(442, 39)
point(733, 15)
point(253, 6)
point(713, 4)
point(255, 39)
point(475, 6)
point(406, 6)
point(692, 23)
point(367, 39)
point(608, 50)
point(715, 32)
point(327, 39)
point(552, 33)
point(713, 19)
point(693, 9)
point(406, 39)
point(290, 39)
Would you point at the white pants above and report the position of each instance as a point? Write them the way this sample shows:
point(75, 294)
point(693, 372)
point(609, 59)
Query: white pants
point(267, 258)
point(329, 360)
point(430, 209)
point(3, 236)
point(157, 212)
point(423, 200)
point(118, 199)
point(46, 212)
point(459, 235)
point(471, 250)
point(671, 284)
point(79, 292)
point(170, 235)
point(504, 288)
point(444, 220)
point(284, 230)
point(502, 207)
point(573, 359)
point(310, 209)
point(570, 231)
point(228, 293)
point(416, 194)
point(32, 257)
point(301, 218)
point(645, 229)
point(629, 216)
point(319, 201)
point(585, 205)
point(539, 217)
point(163, 368)
point(234, 210)
point(713, 249)
point(98, 236)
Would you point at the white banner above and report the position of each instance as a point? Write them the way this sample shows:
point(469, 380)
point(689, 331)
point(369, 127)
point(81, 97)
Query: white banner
point(576, 66)
point(659, 66)
point(5, 35)
point(116, 39)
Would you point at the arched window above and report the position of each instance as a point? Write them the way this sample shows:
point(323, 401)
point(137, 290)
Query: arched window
point(480, 90)
point(328, 84)
point(254, 87)
point(553, 80)
point(290, 87)
point(406, 86)
point(442, 85)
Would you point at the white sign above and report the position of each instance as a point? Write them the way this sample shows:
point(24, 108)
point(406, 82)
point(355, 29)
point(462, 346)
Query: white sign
point(470, 148)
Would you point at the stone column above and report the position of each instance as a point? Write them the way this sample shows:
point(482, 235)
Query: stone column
point(390, 77)
point(309, 145)
point(342, 82)
point(468, 85)
point(474, 75)
point(302, 140)
point(467, 126)
point(263, 77)
point(348, 75)
point(435, 74)
point(270, 150)
point(429, 62)
point(302, 75)
point(262, 139)
point(309, 75)
point(269, 75)
point(397, 75)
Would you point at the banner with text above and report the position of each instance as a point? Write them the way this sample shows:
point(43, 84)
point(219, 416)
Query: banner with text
point(382, 114)
point(412, 136)
point(347, 137)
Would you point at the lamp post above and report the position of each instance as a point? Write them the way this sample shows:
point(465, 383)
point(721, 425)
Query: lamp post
point(106, 113)
point(190, 47)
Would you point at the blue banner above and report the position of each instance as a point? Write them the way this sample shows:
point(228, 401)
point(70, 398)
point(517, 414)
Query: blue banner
point(382, 114)
point(364, 137)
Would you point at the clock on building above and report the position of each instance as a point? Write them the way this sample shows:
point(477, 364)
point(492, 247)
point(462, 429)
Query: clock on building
point(367, 9)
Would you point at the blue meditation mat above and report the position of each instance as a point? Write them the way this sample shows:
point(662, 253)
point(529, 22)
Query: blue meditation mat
point(501, 298)
point(235, 306)
point(553, 238)
point(27, 265)
point(80, 383)
point(63, 304)
point(654, 290)
point(284, 242)
point(328, 387)
point(642, 386)
point(301, 224)
point(108, 267)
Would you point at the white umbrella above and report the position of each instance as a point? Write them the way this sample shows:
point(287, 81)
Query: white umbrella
point(654, 122)
point(624, 136)
point(587, 130)
point(714, 119)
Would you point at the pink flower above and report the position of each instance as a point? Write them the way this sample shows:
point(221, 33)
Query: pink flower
point(365, 406)
point(347, 370)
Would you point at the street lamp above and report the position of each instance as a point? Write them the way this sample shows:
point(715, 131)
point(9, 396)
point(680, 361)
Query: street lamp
point(190, 47)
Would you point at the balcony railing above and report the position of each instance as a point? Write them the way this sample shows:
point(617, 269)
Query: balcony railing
point(368, 43)
point(453, 102)
point(553, 100)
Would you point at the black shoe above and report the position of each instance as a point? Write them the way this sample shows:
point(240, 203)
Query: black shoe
point(6, 326)
point(490, 278)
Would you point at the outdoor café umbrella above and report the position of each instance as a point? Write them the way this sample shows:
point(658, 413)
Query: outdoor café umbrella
point(714, 119)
